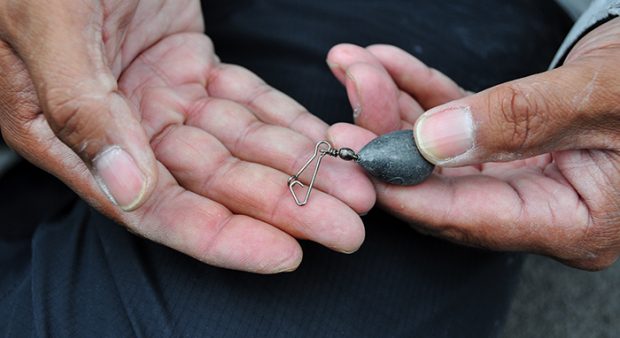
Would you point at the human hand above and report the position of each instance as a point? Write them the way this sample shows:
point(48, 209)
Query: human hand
point(529, 165)
point(190, 152)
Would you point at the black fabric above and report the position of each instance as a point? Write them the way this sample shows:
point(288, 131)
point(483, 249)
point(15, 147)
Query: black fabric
point(68, 271)
point(476, 43)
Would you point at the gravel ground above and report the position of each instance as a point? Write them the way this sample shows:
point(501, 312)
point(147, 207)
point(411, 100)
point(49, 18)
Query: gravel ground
point(553, 300)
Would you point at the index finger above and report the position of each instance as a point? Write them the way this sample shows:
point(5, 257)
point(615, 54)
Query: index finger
point(428, 86)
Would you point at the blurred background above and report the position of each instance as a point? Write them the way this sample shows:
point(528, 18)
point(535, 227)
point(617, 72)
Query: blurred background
point(553, 300)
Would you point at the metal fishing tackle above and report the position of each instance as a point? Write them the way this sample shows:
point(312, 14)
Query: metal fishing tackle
point(321, 149)
point(392, 158)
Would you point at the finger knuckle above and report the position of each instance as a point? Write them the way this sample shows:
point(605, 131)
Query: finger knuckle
point(518, 115)
point(75, 118)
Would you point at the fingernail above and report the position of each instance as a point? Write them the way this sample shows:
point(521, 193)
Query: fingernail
point(445, 134)
point(353, 93)
point(120, 179)
point(333, 65)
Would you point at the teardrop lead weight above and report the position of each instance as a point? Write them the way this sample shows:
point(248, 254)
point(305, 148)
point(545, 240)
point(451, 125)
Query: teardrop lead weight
point(394, 158)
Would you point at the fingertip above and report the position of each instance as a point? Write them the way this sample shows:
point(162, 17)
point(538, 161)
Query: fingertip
point(335, 60)
point(337, 70)
point(330, 222)
point(355, 237)
point(290, 262)
point(250, 245)
point(384, 49)
point(384, 52)
point(374, 97)
point(344, 53)
point(341, 56)
point(353, 93)
point(349, 135)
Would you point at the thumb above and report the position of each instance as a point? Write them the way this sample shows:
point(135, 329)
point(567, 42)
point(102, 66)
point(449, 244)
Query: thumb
point(551, 111)
point(63, 53)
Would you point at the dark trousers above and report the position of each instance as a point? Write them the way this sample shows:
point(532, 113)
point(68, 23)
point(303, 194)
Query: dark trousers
point(67, 271)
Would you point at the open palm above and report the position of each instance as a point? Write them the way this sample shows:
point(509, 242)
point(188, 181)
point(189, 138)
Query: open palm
point(227, 143)
point(224, 144)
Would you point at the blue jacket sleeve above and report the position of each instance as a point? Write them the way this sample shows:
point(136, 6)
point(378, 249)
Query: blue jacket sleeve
point(599, 12)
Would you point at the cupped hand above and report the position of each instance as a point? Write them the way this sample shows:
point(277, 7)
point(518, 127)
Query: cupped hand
point(529, 165)
point(126, 102)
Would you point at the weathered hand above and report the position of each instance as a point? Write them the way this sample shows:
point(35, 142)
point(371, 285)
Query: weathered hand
point(195, 154)
point(533, 163)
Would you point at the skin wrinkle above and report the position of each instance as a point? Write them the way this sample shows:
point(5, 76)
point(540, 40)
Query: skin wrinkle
point(214, 75)
point(273, 214)
point(250, 128)
point(522, 204)
point(517, 110)
point(259, 92)
point(593, 225)
point(295, 119)
point(162, 136)
point(144, 218)
point(140, 75)
point(202, 105)
point(224, 165)
point(611, 197)
point(246, 135)
point(553, 220)
point(220, 173)
point(98, 51)
point(284, 198)
point(151, 132)
point(151, 65)
point(117, 30)
point(210, 244)
point(68, 118)
point(582, 99)
point(142, 37)
point(141, 23)
point(314, 129)
point(146, 42)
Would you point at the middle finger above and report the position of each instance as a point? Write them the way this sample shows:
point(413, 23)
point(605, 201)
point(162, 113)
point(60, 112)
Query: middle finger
point(203, 165)
point(281, 148)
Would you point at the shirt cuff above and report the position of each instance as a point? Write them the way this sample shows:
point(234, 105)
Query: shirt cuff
point(598, 13)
